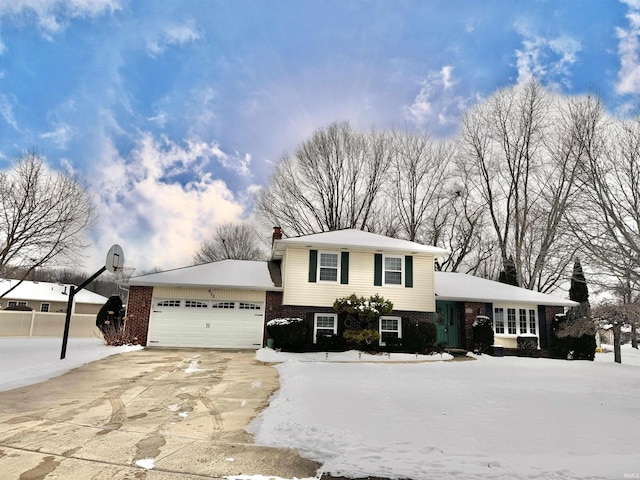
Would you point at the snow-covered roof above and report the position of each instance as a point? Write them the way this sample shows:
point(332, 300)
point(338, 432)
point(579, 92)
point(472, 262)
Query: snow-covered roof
point(460, 286)
point(354, 239)
point(240, 274)
point(47, 292)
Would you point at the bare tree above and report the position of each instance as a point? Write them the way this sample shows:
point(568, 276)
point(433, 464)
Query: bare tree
point(522, 157)
point(419, 172)
point(608, 222)
point(43, 215)
point(333, 181)
point(230, 241)
point(617, 315)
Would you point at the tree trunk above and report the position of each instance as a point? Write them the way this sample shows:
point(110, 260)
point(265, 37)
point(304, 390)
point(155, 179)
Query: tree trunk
point(617, 326)
point(634, 335)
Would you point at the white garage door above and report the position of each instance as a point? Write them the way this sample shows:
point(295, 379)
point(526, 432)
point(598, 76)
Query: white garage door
point(202, 323)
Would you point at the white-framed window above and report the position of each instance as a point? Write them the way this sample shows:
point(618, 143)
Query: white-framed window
point(390, 327)
point(329, 266)
point(249, 306)
point(169, 303)
point(324, 324)
point(14, 303)
point(532, 321)
point(195, 304)
point(393, 274)
point(515, 320)
point(223, 305)
point(511, 321)
point(498, 320)
point(44, 307)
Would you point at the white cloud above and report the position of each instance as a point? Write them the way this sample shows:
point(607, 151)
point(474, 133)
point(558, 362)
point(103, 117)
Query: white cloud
point(437, 103)
point(546, 59)
point(52, 15)
point(61, 135)
point(629, 52)
point(142, 205)
point(173, 35)
point(6, 111)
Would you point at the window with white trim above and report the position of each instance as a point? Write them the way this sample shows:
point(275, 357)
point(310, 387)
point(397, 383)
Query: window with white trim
point(498, 320)
point(169, 303)
point(329, 266)
point(390, 327)
point(44, 307)
point(14, 303)
point(518, 321)
point(249, 306)
point(324, 324)
point(195, 304)
point(392, 270)
point(532, 321)
point(223, 305)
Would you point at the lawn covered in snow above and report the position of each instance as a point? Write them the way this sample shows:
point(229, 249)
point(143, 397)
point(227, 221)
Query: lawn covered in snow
point(511, 418)
point(24, 361)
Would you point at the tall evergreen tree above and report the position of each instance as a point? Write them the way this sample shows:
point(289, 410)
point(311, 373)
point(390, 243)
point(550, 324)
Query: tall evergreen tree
point(579, 292)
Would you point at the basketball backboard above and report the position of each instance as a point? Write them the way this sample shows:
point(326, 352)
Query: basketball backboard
point(115, 259)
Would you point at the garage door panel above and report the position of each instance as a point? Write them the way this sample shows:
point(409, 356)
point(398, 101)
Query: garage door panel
point(207, 327)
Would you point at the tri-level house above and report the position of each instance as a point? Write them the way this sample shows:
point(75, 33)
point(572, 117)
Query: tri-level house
point(227, 304)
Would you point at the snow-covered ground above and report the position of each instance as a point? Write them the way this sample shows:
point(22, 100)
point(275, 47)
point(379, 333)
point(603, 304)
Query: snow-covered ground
point(510, 418)
point(24, 361)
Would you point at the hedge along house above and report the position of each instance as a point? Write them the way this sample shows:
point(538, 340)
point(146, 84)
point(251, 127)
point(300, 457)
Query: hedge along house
point(514, 311)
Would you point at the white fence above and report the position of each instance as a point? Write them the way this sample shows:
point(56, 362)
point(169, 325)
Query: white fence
point(44, 324)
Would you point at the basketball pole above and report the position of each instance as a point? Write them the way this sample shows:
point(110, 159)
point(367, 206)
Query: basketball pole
point(67, 321)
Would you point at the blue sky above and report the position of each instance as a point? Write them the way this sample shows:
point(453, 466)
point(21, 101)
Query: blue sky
point(174, 112)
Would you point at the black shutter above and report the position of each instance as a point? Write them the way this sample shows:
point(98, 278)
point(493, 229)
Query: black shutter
point(309, 319)
point(377, 270)
point(408, 274)
point(344, 268)
point(313, 265)
point(542, 327)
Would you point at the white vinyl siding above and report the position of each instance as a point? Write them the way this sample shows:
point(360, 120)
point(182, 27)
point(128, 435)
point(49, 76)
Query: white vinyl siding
point(299, 291)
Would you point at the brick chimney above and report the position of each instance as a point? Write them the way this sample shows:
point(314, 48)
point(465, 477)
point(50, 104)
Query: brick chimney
point(277, 234)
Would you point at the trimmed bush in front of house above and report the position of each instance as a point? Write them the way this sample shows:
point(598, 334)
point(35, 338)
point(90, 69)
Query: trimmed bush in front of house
point(564, 345)
point(365, 339)
point(483, 336)
point(420, 337)
point(527, 345)
point(288, 334)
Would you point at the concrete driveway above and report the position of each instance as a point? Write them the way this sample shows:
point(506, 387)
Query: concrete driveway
point(152, 414)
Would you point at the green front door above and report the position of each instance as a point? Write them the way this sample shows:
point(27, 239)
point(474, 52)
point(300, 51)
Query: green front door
point(447, 321)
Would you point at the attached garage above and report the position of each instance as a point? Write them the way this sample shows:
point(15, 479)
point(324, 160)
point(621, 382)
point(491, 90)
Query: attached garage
point(179, 322)
point(214, 305)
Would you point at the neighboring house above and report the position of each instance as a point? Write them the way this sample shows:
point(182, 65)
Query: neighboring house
point(48, 297)
point(227, 304)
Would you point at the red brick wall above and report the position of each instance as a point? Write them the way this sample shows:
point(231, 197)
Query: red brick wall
point(550, 312)
point(138, 312)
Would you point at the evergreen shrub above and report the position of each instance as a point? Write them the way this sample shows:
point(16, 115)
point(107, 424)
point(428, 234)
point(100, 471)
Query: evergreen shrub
point(420, 337)
point(289, 334)
point(483, 336)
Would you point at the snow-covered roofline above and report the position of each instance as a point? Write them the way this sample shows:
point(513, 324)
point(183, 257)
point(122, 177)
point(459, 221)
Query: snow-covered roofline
point(353, 239)
point(235, 274)
point(460, 286)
